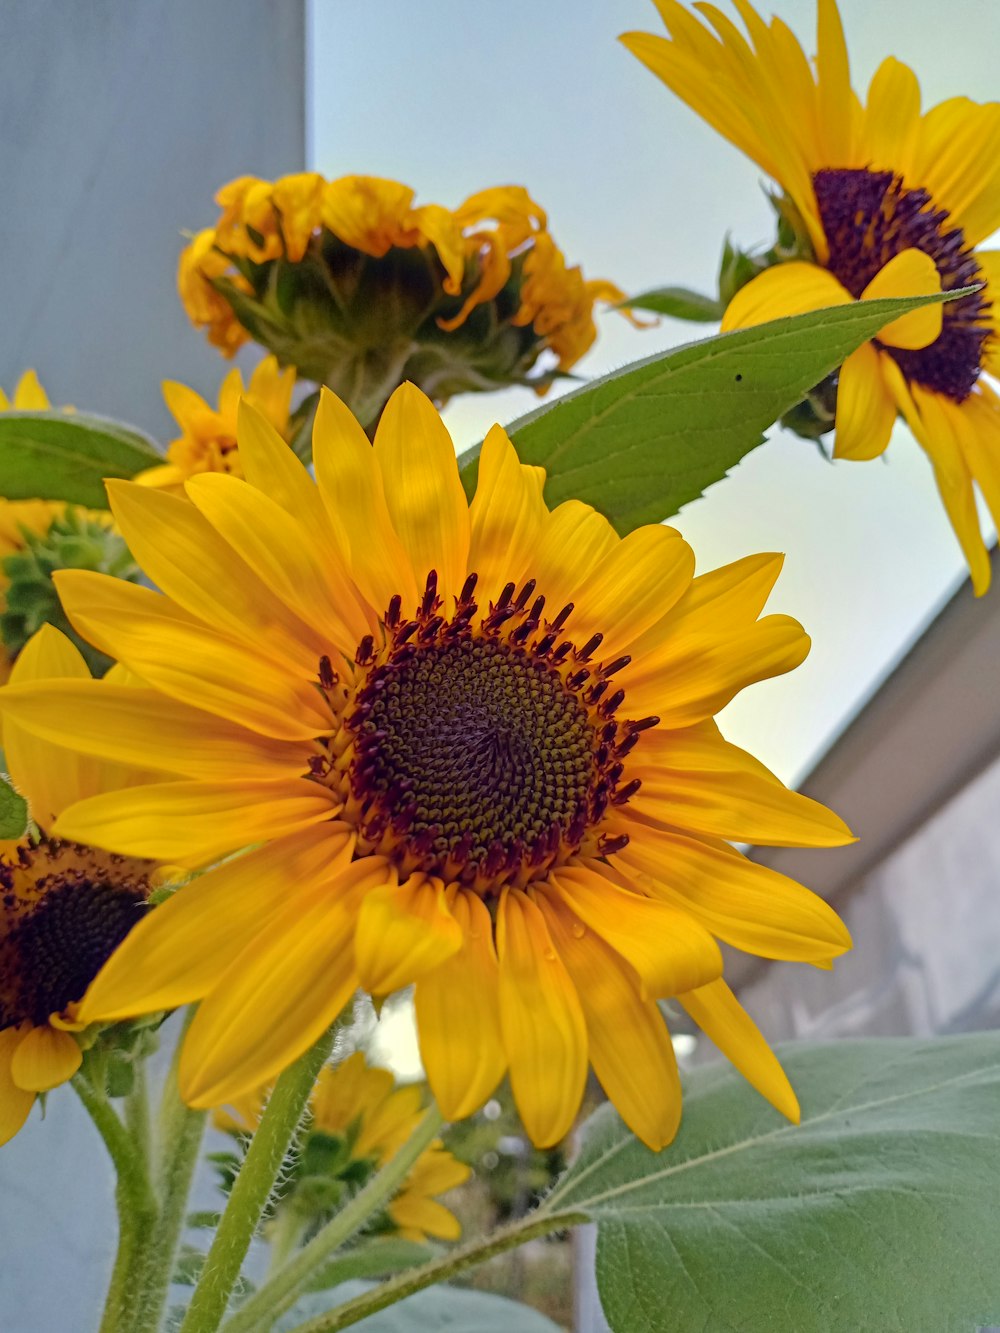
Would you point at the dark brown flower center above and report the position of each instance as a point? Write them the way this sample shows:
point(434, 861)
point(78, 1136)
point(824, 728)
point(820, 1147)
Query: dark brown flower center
point(484, 750)
point(65, 909)
point(868, 218)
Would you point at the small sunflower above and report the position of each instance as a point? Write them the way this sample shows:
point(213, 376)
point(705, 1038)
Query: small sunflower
point(359, 1121)
point(64, 907)
point(207, 442)
point(891, 202)
point(359, 289)
point(474, 746)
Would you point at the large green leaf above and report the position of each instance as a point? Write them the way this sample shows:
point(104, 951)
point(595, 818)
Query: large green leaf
point(438, 1309)
point(881, 1211)
point(643, 441)
point(66, 456)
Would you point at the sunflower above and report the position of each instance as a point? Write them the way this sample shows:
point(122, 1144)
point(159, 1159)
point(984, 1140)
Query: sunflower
point(360, 289)
point(64, 907)
point(891, 202)
point(29, 396)
point(474, 746)
point(367, 1118)
point(207, 442)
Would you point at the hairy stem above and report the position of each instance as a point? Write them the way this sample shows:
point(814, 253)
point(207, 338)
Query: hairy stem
point(134, 1199)
point(439, 1270)
point(252, 1188)
point(264, 1307)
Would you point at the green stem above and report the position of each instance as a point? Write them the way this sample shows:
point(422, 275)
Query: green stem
point(252, 1188)
point(439, 1270)
point(134, 1199)
point(178, 1139)
point(281, 1291)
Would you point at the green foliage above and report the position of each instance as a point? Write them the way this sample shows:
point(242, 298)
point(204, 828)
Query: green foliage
point(643, 441)
point(14, 817)
point(73, 541)
point(878, 1212)
point(443, 1309)
point(374, 1258)
point(66, 456)
point(679, 303)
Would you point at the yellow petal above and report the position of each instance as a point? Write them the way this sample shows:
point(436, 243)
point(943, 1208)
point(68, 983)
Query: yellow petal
point(957, 160)
point(544, 1032)
point(192, 823)
point(279, 995)
point(352, 488)
point(723, 1019)
point(15, 1102)
point(506, 517)
point(29, 396)
point(460, 1044)
point(938, 425)
point(691, 676)
point(178, 952)
point(575, 539)
point(630, 1047)
point(284, 556)
point(669, 950)
point(44, 1058)
point(866, 409)
point(795, 288)
point(697, 782)
point(892, 116)
point(910, 273)
point(404, 930)
point(422, 489)
point(426, 1216)
point(745, 904)
point(135, 725)
point(632, 588)
point(48, 775)
point(190, 661)
point(182, 554)
point(836, 97)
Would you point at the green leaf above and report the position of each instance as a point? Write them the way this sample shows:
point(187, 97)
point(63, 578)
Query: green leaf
point(66, 456)
point(678, 302)
point(443, 1309)
point(372, 1259)
point(878, 1212)
point(643, 441)
point(14, 816)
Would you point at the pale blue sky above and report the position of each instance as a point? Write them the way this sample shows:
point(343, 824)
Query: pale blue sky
point(451, 96)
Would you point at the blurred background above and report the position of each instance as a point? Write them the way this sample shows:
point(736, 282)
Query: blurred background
point(120, 124)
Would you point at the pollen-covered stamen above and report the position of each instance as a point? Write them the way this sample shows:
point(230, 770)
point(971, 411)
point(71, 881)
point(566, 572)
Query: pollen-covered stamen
point(868, 218)
point(483, 747)
point(65, 909)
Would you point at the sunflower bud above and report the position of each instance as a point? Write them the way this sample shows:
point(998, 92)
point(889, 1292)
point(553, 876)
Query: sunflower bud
point(358, 289)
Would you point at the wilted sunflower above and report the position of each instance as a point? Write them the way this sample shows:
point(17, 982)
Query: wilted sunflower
point(474, 744)
point(64, 906)
point(207, 442)
point(359, 1121)
point(891, 202)
point(358, 289)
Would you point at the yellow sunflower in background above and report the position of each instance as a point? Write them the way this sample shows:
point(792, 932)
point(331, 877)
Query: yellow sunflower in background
point(370, 1118)
point(360, 289)
point(207, 442)
point(894, 202)
point(474, 747)
point(64, 906)
point(29, 396)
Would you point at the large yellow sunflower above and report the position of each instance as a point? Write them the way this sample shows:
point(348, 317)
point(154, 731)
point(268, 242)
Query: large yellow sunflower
point(363, 1108)
point(64, 906)
point(894, 202)
point(474, 747)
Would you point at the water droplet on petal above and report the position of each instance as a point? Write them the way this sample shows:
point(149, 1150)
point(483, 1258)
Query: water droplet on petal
point(578, 929)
